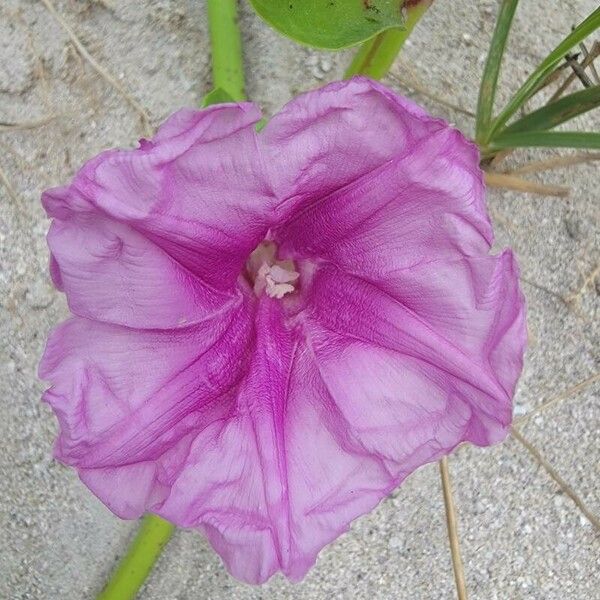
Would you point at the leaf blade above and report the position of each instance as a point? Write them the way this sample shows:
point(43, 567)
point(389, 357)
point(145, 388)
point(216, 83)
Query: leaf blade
point(585, 28)
point(330, 24)
point(558, 112)
point(547, 139)
point(489, 81)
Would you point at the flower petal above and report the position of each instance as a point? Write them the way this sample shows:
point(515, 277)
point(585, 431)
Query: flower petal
point(475, 302)
point(125, 397)
point(326, 138)
point(365, 176)
point(197, 190)
point(112, 273)
point(282, 477)
point(271, 424)
point(395, 217)
point(432, 375)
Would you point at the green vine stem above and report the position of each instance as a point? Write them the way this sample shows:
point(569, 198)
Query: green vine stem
point(135, 566)
point(228, 77)
point(375, 57)
point(226, 46)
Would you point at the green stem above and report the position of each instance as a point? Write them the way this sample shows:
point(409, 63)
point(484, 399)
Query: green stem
point(375, 57)
point(135, 566)
point(228, 77)
point(226, 45)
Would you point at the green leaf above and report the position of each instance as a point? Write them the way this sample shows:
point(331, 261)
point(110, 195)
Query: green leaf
point(546, 139)
point(578, 34)
point(558, 112)
point(216, 96)
point(331, 24)
point(489, 81)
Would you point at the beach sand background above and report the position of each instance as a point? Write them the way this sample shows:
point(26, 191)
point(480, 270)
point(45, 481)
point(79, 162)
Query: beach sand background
point(521, 537)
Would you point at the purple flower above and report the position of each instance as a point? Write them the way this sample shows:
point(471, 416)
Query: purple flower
point(271, 331)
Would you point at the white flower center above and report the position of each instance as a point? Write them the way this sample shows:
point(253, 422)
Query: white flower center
point(274, 277)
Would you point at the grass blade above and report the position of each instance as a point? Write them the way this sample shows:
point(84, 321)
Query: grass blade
point(546, 139)
point(558, 112)
point(489, 82)
point(578, 34)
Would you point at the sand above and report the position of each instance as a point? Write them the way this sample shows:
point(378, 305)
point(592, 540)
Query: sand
point(521, 537)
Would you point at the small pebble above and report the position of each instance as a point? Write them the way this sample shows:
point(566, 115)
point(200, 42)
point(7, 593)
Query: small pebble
point(520, 410)
point(40, 295)
point(396, 543)
point(317, 73)
point(325, 65)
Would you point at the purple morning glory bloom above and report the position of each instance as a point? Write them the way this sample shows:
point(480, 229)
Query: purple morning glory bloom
point(271, 331)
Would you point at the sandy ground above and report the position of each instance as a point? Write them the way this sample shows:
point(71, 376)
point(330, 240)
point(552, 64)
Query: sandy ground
point(521, 537)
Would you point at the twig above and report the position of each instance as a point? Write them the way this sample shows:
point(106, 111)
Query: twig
point(542, 288)
point(9, 188)
point(23, 125)
point(459, 574)
point(579, 71)
point(586, 53)
point(500, 156)
point(564, 486)
point(555, 163)
point(39, 70)
point(106, 75)
point(575, 296)
point(591, 56)
point(572, 391)
point(550, 79)
point(510, 182)
point(420, 88)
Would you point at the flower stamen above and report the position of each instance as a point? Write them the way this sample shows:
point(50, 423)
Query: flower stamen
point(274, 277)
